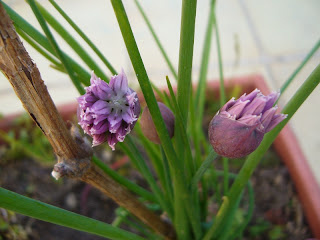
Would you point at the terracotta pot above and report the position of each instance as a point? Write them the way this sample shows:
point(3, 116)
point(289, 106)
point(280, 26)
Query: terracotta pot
point(286, 146)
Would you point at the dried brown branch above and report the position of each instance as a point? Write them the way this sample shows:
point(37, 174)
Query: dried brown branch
point(26, 81)
point(73, 153)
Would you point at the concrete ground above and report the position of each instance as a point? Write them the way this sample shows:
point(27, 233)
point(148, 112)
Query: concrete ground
point(267, 37)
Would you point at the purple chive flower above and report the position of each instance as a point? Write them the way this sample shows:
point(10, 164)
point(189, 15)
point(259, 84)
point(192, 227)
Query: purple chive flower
point(108, 112)
point(238, 128)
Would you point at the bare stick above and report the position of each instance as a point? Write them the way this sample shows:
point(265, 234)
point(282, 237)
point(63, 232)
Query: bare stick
point(73, 153)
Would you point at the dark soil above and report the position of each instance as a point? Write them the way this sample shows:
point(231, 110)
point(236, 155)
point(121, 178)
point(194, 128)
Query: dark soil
point(277, 214)
point(30, 179)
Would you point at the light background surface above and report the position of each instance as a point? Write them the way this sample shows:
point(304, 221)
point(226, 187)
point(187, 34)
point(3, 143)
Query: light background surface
point(272, 38)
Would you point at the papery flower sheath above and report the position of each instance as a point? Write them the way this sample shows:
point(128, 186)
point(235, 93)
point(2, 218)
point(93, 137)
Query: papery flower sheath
point(149, 129)
point(108, 112)
point(238, 128)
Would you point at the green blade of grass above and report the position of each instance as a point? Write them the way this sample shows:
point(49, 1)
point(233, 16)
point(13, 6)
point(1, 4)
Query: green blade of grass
point(195, 134)
point(187, 30)
point(153, 154)
point(132, 151)
point(175, 162)
point(225, 177)
point(160, 94)
point(201, 89)
point(78, 49)
point(38, 48)
point(167, 101)
point(21, 23)
point(55, 46)
point(143, 78)
point(237, 233)
point(199, 100)
point(188, 17)
point(157, 40)
point(202, 169)
point(192, 210)
point(222, 90)
point(168, 179)
point(123, 181)
point(45, 212)
point(84, 37)
point(221, 215)
point(222, 102)
point(121, 214)
point(55, 64)
point(191, 166)
point(303, 63)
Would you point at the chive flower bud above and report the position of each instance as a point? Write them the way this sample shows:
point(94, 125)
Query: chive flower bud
point(108, 112)
point(238, 128)
point(148, 128)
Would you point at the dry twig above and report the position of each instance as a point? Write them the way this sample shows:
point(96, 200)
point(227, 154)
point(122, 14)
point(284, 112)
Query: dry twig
point(73, 153)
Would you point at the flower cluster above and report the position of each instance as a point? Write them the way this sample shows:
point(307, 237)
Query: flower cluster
point(238, 128)
point(108, 112)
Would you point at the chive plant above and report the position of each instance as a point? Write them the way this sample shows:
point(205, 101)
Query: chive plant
point(183, 160)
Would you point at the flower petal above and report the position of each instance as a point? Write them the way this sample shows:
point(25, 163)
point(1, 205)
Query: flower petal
point(115, 127)
point(268, 116)
point(101, 127)
point(271, 99)
point(250, 96)
point(128, 116)
point(99, 118)
point(86, 100)
point(238, 107)
point(101, 107)
point(121, 133)
point(100, 88)
point(112, 141)
point(132, 99)
point(98, 139)
point(114, 119)
point(256, 106)
point(275, 121)
point(119, 83)
point(251, 120)
point(228, 105)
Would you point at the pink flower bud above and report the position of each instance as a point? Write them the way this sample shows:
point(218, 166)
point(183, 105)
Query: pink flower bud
point(238, 128)
point(148, 128)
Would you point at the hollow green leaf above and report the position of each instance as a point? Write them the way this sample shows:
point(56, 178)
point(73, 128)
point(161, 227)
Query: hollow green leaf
point(45, 212)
